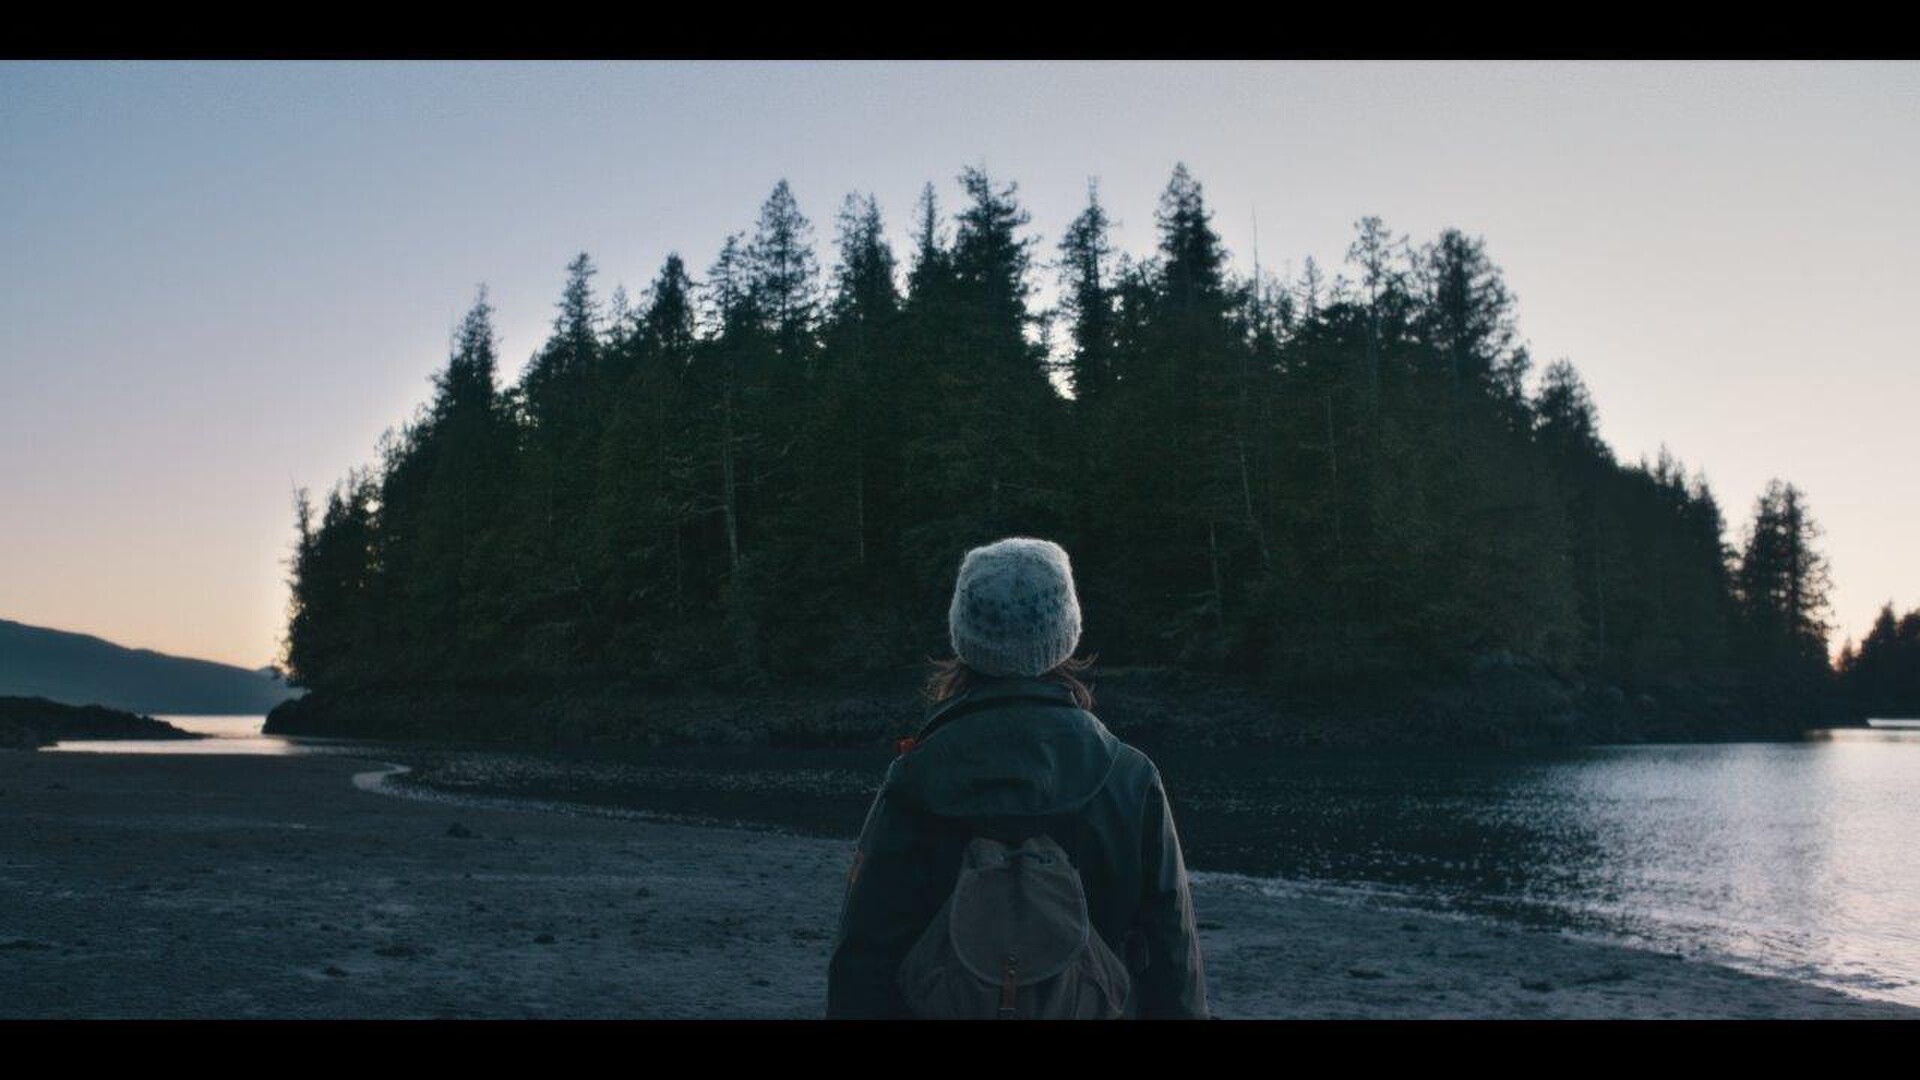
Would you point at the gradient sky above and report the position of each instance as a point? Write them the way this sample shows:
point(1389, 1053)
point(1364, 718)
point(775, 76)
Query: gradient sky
point(220, 281)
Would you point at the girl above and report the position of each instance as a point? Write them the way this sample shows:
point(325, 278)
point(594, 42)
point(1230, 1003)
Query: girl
point(1012, 750)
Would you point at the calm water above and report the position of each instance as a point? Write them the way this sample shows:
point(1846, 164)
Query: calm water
point(1801, 859)
point(1793, 858)
point(229, 735)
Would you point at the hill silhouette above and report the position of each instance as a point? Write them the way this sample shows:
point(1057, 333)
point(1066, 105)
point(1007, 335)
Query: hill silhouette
point(78, 669)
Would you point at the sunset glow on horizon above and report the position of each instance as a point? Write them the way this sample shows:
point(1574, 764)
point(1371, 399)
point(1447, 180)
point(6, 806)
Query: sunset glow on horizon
point(220, 282)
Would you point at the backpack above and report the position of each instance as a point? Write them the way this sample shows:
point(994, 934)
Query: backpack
point(1013, 941)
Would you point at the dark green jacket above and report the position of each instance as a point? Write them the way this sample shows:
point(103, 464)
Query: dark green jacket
point(1008, 758)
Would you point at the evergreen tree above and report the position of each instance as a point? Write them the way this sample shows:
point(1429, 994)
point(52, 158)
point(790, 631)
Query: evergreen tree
point(648, 494)
point(1384, 275)
point(1782, 584)
point(1087, 297)
point(783, 276)
point(551, 609)
point(331, 584)
point(1468, 321)
point(553, 384)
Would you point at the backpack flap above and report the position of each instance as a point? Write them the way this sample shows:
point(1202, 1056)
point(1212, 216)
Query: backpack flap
point(1012, 940)
point(1019, 906)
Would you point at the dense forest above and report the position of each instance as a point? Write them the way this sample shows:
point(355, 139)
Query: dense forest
point(771, 472)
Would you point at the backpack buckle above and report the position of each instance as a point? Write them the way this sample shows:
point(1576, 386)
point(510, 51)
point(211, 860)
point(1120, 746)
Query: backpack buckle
point(1009, 987)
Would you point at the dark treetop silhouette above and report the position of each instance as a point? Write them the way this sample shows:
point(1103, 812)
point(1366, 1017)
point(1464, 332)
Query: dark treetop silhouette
point(1329, 482)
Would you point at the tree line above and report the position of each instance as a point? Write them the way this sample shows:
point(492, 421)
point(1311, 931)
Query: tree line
point(773, 470)
point(1882, 675)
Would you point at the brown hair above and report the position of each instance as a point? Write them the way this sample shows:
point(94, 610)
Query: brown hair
point(950, 676)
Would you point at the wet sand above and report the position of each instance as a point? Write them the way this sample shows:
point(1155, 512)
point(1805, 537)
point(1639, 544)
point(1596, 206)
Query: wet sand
point(216, 886)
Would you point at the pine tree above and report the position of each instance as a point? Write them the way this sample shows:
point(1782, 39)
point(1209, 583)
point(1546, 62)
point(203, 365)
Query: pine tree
point(997, 376)
point(1086, 251)
point(1383, 279)
point(1782, 583)
point(1212, 390)
point(1469, 322)
point(551, 608)
point(861, 398)
point(554, 380)
point(331, 584)
point(648, 490)
point(783, 276)
point(473, 464)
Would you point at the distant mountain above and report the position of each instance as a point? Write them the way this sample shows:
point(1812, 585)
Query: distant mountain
point(81, 670)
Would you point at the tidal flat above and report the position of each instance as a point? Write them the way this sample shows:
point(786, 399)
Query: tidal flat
point(154, 885)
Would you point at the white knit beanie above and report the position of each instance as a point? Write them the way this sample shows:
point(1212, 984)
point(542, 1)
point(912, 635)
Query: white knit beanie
point(1014, 610)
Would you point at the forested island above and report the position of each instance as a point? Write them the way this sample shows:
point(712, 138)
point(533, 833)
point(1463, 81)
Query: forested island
point(1341, 507)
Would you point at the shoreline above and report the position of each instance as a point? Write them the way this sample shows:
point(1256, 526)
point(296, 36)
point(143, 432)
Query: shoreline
point(1505, 702)
point(174, 886)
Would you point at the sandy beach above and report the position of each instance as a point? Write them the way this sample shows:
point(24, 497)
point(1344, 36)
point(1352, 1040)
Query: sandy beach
point(221, 886)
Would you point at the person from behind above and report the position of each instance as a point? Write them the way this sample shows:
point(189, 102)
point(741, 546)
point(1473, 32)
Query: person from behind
point(1018, 860)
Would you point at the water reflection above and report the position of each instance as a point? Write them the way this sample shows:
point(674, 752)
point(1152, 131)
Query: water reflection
point(224, 735)
point(1789, 857)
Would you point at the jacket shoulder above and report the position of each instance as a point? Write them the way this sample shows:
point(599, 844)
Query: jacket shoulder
point(1133, 770)
point(1132, 757)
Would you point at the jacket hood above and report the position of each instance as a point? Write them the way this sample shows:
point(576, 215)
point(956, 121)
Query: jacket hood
point(1006, 747)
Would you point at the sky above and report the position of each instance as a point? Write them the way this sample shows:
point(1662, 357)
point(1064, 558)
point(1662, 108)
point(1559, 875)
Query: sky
point(223, 281)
